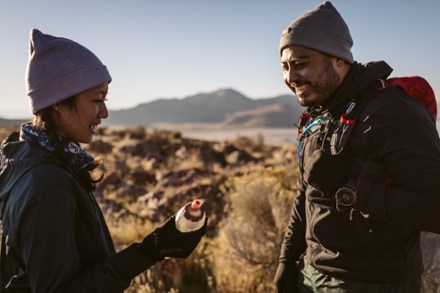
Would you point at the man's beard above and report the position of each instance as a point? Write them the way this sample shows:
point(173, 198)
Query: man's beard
point(327, 82)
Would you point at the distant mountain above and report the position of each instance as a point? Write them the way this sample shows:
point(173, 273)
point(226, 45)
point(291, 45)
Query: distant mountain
point(225, 106)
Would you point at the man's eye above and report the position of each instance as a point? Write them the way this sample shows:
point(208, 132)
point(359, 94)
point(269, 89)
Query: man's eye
point(284, 67)
point(299, 64)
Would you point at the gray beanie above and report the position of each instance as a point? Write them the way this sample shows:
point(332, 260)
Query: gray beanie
point(59, 68)
point(321, 29)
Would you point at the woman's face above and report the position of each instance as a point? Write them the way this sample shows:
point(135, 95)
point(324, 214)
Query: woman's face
point(79, 122)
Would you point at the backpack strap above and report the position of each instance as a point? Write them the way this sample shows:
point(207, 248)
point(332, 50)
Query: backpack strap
point(339, 131)
point(357, 105)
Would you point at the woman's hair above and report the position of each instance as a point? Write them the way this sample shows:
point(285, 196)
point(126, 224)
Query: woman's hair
point(44, 120)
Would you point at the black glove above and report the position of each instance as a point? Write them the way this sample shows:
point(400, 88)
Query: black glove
point(167, 241)
point(286, 277)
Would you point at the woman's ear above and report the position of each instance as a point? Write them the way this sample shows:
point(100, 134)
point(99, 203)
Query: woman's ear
point(55, 106)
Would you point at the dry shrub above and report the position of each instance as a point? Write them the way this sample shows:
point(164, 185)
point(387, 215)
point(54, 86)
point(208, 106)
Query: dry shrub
point(138, 133)
point(249, 143)
point(163, 135)
point(250, 237)
point(253, 145)
point(189, 160)
point(431, 258)
point(127, 229)
point(5, 131)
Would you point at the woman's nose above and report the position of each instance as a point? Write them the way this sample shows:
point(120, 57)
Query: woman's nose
point(103, 112)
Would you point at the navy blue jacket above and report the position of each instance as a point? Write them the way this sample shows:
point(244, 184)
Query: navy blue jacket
point(55, 235)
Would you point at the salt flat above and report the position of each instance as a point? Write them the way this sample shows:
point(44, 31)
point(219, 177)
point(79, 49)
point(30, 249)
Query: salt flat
point(271, 136)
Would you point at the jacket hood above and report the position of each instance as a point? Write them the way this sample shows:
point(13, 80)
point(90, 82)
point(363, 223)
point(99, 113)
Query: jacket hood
point(17, 158)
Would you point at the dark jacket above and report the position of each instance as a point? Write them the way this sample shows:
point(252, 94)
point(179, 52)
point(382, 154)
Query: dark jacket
point(393, 154)
point(55, 234)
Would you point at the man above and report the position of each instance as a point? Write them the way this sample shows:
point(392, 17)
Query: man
point(369, 160)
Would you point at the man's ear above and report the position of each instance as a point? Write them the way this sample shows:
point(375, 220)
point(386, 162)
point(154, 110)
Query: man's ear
point(341, 62)
point(341, 67)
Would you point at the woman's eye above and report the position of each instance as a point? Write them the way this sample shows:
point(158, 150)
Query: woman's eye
point(100, 99)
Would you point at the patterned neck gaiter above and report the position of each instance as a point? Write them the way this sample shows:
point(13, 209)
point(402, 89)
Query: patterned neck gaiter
point(77, 156)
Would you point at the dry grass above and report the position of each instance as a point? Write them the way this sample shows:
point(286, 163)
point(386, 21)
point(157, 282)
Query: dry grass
point(249, 240)
point(249, 206)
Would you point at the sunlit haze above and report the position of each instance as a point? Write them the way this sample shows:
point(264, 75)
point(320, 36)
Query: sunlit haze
point(175, 48)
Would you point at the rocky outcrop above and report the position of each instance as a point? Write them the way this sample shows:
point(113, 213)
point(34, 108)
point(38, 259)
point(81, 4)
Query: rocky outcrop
point(151, 175)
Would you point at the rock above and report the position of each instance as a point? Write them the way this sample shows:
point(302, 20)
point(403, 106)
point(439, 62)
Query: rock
point(430, 244)
point(99, 147)
point(145, 149)
point(143, 177)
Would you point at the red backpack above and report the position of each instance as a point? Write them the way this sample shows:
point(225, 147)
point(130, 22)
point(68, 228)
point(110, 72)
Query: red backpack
point(418, 88)
point(415, 86)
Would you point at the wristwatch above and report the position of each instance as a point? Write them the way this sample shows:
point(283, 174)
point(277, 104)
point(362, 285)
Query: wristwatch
point(346, 197)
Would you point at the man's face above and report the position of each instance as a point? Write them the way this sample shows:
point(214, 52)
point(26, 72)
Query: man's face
point(310, 74)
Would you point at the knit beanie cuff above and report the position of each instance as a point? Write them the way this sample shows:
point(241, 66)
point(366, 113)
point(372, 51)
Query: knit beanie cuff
point(71, 85)
point(313, 39)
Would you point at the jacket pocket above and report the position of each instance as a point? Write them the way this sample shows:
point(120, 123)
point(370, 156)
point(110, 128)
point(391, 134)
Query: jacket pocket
point(322, 170)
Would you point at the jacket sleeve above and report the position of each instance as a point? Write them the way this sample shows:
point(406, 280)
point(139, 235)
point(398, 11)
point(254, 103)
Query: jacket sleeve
point(294, 244)
point(47, 243)
point(404, 144)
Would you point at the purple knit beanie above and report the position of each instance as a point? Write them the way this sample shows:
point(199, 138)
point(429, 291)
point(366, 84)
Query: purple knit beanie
point(322, 29)
point(59, 68)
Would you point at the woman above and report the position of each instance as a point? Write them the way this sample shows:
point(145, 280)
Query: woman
point(54, 236)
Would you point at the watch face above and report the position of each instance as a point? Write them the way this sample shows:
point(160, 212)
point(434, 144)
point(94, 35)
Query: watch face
point(345, 198)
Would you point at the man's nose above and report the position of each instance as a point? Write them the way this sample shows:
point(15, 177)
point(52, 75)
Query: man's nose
point(291, 76)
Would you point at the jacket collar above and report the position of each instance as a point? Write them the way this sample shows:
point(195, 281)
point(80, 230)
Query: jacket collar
point(358, 78)
point(17, 158)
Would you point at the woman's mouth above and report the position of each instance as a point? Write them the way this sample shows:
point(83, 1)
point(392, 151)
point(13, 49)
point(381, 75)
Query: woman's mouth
point(93, 127)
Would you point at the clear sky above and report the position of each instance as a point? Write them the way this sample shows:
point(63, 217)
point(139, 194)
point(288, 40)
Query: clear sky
point(175, 48)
